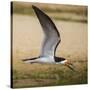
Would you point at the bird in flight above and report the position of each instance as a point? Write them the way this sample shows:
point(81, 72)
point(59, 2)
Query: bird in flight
point(50, 42)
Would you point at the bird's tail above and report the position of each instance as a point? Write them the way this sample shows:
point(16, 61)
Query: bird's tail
point(31, 60)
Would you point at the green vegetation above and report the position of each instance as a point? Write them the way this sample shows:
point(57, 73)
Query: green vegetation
point(49, 75)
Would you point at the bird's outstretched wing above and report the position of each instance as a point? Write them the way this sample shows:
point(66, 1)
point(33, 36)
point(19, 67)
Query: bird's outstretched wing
point(52, 36)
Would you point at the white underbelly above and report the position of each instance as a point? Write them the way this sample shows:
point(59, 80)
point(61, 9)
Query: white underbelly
point(46, 60)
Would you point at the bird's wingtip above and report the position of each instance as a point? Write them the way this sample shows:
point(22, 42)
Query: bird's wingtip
point(34, 7)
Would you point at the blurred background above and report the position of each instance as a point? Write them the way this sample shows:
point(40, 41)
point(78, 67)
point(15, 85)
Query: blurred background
point(57, 11)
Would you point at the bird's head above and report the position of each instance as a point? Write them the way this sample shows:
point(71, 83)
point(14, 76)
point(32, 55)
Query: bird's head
point(60, 60)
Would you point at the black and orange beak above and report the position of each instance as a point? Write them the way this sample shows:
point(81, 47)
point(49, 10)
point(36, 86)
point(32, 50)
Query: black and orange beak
point(69, 65)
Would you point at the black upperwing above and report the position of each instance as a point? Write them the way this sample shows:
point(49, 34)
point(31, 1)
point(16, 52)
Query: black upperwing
point(52, 36)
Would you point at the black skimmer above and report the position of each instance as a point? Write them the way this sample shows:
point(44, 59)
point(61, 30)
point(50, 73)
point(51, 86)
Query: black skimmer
point(50, 42)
